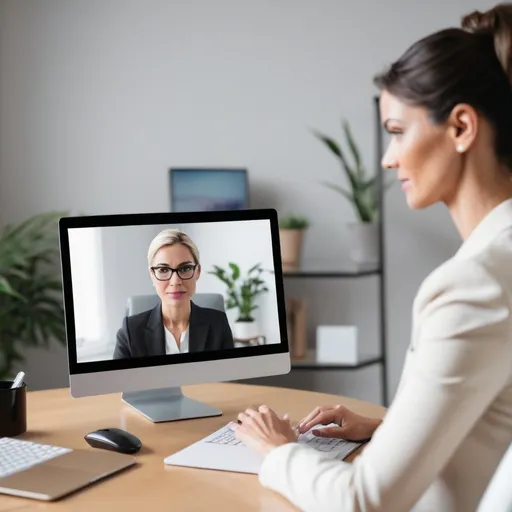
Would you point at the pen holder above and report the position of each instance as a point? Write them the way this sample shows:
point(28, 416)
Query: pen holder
point(13, 409)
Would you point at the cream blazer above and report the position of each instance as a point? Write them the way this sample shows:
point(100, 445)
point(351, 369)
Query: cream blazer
point(451, 419)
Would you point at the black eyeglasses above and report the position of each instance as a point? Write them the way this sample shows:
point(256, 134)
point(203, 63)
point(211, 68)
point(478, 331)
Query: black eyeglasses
point(164, 273)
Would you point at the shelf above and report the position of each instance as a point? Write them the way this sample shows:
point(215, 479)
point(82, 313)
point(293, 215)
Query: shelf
point(331, 267)
point(310, 363)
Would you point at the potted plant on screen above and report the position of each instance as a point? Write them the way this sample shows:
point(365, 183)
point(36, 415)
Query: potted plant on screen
point(31, 310)
point(241, 294)
point(362, 193)
point(291, 235)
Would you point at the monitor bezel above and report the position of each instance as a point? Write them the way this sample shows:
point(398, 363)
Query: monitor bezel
point(174, 170)
point(173, 218)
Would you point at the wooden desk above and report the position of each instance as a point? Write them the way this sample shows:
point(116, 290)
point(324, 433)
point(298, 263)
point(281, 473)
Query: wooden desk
point(54, 417)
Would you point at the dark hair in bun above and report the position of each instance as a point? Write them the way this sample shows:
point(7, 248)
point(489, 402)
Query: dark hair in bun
point(496, 23)
point(469, 65)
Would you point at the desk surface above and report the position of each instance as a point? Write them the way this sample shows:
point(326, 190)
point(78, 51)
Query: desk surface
point(54, 417)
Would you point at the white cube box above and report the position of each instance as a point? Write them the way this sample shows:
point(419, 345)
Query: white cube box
point(336, 344)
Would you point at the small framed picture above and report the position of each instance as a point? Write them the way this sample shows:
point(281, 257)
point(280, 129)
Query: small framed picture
point(208, 189)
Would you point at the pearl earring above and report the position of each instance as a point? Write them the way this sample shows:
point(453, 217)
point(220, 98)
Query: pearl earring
point(460, 148)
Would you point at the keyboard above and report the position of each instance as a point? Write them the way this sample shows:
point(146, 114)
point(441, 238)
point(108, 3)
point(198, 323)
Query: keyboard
point(324, 444)
point(17, 455)
point(225, 436)
point(221, 450)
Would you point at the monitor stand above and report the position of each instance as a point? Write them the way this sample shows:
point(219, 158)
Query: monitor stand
point(168, 404)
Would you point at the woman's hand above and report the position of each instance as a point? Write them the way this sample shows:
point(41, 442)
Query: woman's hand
point(263, 429)
point(352, 426)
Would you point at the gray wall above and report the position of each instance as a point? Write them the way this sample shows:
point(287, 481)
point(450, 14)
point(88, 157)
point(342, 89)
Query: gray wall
point(99, 98)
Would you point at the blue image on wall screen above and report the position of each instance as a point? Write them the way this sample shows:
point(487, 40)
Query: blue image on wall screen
point(194, 190)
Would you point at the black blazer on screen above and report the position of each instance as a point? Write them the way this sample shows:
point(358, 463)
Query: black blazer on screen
point(143, 334)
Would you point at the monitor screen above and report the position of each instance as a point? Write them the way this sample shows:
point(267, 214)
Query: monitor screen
point(161, 289)
point(205, 189)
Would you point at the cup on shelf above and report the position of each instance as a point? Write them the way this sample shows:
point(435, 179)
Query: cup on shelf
point(13, 409)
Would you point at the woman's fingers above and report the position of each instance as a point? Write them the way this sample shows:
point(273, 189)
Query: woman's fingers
point(322, 418)
point(318, 410)
point(313, 414)
point(242, 416)
point(339, 432)
point(318, 416)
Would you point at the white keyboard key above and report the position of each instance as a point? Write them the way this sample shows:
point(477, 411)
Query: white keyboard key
point(17, 455)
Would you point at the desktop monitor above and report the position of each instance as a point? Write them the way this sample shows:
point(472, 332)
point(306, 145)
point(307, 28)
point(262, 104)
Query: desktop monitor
point(208, 189)
point(155, 301)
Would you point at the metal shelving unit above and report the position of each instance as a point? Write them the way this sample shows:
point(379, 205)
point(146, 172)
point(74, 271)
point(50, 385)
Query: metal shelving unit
point(351, 271)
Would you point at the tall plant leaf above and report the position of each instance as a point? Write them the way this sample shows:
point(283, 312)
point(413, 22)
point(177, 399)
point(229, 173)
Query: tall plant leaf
point(340, 190)
point(363, 192)
point(336, 149)
point(354, 150)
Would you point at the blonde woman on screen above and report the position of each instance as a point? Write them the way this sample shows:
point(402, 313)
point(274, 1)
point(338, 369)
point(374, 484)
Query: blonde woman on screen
point(176, 325)
point(447, 103)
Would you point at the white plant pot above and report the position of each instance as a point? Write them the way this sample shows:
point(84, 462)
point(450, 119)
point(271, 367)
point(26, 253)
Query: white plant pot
point(364, 242)
point(245, 330)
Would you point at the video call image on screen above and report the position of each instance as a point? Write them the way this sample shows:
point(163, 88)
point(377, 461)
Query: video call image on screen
point(149, 290)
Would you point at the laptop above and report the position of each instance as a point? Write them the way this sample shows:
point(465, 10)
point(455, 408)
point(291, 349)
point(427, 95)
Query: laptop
point(47, 472)
point(223, 451)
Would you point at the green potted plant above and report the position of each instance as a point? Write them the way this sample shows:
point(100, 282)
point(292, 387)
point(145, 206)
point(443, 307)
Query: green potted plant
point(291, 235)
point(31, 310)
point(241, 294)
point(363, 194)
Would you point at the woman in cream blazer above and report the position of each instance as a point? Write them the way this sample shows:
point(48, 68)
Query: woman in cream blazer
point(448, 104)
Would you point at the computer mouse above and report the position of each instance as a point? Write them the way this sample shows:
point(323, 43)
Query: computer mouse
point(114, 439)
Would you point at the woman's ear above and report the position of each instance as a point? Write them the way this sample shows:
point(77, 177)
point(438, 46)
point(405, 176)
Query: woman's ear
point(198, 271)
point(463, 126)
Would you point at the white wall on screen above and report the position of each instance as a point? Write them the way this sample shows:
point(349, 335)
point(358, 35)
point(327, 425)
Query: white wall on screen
point(244, 243)
point(85, 248)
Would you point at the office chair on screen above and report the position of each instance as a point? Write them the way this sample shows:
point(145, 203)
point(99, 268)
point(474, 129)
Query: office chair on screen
point(139, 303)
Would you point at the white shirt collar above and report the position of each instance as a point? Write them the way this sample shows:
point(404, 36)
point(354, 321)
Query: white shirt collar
point(492, 224)
point(171, 347)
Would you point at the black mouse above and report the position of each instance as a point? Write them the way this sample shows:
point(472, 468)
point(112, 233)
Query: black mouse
point(114, 439)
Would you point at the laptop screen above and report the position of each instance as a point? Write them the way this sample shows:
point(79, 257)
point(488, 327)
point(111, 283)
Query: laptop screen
point(201, 286)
